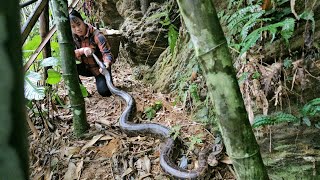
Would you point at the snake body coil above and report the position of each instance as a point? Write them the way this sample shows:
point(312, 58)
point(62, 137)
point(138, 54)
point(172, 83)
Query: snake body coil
point(153, 129)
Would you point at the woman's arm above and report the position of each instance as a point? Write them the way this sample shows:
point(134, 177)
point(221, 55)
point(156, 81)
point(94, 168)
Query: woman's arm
point(104, 47)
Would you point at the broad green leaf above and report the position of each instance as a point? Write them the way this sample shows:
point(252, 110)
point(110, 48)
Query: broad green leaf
point(31, 90)
point(50, 61)
point(54, 77)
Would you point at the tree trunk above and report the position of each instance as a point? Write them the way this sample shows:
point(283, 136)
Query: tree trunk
point(70, 74)
point(13, 139)
point(216, 62)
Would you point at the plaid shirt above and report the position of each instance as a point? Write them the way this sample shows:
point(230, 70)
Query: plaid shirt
point(96, 41)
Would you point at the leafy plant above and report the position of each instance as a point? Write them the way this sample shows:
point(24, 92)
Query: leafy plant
point(54, 77)
point(287, 28)
point(256, 75)
point(193, 88)
point(31, 90)
point(245, 26)
point(30, 46)
point(308, 15)
point(175, 131)
point(275, 118)
point(310, 109)
point(151, 111)
point(172, 29)
point(196, 139)
point(287, 63)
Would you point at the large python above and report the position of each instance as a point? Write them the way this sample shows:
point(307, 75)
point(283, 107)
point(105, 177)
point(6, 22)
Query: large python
point(154, 129)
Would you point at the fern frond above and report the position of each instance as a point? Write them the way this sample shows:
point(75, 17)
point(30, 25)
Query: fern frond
point(252, 22)
point(262, 120)
point(250, 41)
point(311, 108)
point(281, 117)
point(239, 18)
point(275, 118)
point(287, 29)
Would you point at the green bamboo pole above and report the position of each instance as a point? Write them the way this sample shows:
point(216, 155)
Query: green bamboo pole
point(70, 74)
point(216, 62)
point(13, 136)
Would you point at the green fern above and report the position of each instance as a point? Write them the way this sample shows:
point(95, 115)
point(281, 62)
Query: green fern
point(311, 108)
point(287, 26)
point(281, 117)
point(237, 21)
point(262, 120)
point(275, 118)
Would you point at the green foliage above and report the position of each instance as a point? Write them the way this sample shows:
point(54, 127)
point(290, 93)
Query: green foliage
point(55, 49)
point(193, 88)
point(310, 109)
point(175, 131)
point(243, 77)
point(287, 63)
point(151, 111)
point(84, 91)
point(275, 118)
point(309, 16)
point(256, 75)
point(287, 28)
point(194, 140)
point(245, 26)
point(30, 46)
point(31, 90)
point(172, 36)
point(50, 61)
point(54, 77)
point(172, 29)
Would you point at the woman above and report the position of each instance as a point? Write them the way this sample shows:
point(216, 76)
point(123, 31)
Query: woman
point(90, 40)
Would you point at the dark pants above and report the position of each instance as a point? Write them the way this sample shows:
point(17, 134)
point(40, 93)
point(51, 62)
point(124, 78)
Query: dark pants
point(101, 84)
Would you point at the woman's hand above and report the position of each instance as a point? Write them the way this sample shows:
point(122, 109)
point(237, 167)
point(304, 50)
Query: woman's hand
point(83, 51)
point(107, 64)
point(87, 51)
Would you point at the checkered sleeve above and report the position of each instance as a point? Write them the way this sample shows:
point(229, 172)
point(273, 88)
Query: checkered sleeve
point(104, 47)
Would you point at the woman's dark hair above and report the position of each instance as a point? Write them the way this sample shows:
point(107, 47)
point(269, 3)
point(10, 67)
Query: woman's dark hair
point(74, 14)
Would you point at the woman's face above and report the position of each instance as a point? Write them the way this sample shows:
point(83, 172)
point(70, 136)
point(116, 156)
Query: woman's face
point(78, 27)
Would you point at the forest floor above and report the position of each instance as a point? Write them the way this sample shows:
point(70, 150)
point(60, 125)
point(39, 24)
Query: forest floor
point(107, 152)
point(291, 151)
